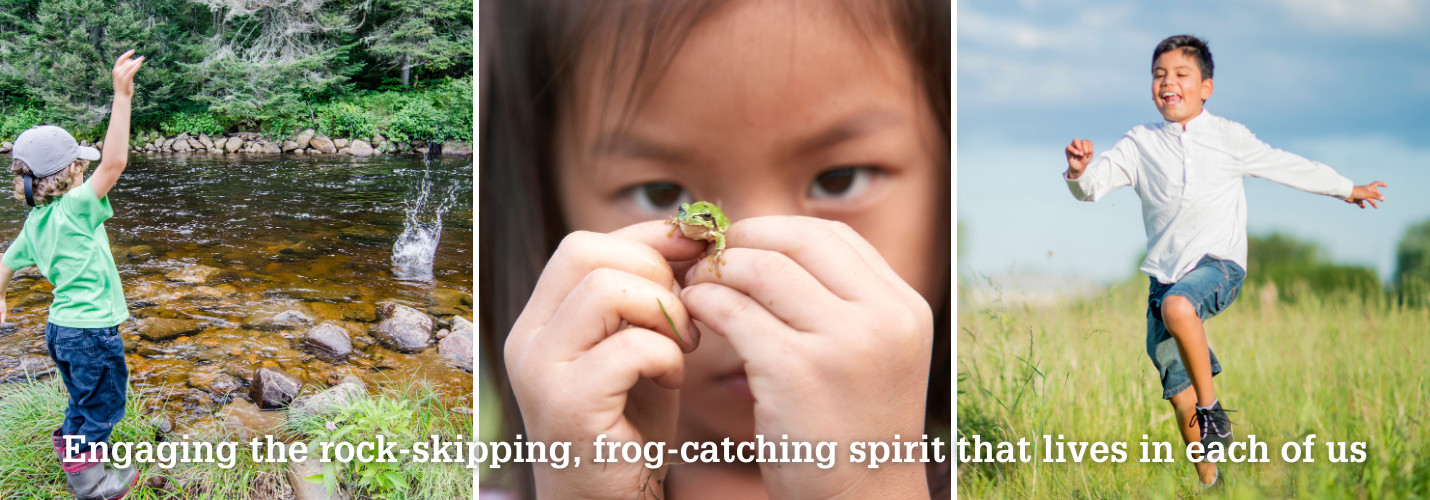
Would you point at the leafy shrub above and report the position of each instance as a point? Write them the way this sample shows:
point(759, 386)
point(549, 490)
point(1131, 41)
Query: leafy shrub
point(194, 123)
point(346, 120)
point(13, 123)
point(417, 120)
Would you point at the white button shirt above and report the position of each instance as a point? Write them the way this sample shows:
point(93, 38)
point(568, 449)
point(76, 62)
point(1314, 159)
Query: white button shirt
point(1193, 201)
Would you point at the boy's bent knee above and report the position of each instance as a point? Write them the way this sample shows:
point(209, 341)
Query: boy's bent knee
point(1178, 308)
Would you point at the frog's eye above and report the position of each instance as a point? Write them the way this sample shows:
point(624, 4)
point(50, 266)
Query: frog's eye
point(657, 197)
point(843, 182)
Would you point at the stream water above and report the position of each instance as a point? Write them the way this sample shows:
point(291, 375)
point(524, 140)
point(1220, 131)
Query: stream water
point(230, 240)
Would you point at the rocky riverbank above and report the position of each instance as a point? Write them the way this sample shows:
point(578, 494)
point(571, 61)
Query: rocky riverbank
point(307, 142)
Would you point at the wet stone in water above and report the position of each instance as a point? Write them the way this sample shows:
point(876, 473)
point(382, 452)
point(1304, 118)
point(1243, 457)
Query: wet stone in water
point(331, 399)
point(285, 320)
point(159, 329)
point(405, 329)
point(195, 274)
point(329, 342)
point(273, 388)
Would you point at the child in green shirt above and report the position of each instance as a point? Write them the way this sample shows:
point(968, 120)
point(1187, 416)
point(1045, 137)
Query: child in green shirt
point(64, 237)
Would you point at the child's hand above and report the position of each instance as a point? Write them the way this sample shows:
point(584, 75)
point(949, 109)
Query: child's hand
point(1079, 153)
point(592, 353)
point(1369, 193)
point(124, 69)
point(836, 348)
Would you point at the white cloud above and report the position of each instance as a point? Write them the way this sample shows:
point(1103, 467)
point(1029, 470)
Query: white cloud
point(1357, 16)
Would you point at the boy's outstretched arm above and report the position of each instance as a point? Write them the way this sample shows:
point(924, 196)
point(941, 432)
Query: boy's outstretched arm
point(1369, 193)
point(116, 141)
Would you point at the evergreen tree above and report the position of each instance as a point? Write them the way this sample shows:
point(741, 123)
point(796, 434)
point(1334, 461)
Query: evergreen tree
point(421, 38)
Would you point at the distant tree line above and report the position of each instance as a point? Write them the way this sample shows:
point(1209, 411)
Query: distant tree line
point(234, 65)
point(1296, 267)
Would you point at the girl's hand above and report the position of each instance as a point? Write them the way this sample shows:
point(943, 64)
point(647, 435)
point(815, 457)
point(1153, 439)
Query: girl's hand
point(836, 348)
point(592, 353)
point(124, 69)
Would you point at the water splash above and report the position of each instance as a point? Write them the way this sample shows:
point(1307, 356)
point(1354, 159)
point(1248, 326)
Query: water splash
point(416, 247)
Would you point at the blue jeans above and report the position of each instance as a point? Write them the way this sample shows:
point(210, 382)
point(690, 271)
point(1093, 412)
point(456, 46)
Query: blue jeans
point(1210, 287)
point(91, 363)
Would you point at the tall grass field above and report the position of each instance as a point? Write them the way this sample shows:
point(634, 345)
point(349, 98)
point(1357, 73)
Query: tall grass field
point(1347, 368)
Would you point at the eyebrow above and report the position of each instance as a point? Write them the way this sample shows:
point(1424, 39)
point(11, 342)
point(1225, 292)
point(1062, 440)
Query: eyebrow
point(622, 143)
point(859, 124)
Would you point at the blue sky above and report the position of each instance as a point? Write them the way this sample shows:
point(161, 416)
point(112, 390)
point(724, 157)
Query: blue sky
point(1344, 82)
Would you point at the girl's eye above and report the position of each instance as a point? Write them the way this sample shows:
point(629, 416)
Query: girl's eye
point(658, 197)
point(845, 182)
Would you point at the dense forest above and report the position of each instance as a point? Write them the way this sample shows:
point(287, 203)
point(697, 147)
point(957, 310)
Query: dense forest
point(349, 68)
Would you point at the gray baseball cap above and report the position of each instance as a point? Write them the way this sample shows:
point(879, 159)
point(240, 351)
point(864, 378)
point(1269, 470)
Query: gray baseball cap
point(48, 149)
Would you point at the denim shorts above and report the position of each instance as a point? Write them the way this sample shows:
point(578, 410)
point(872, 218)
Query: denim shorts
point(91, 363)
point(1210, 287)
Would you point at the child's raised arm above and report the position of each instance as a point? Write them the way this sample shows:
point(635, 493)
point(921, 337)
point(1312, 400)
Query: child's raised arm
point(116, 141)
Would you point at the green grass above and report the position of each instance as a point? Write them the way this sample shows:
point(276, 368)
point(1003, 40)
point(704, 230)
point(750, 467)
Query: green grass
point(1343, 368)
point(29, 468)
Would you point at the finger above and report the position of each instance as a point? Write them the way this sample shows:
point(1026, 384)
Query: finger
point(1378, 184)
point(617, 363)
point(599, 304)
point(123, 56)
point(1373, 204)
point(643, 250)
point(745, 323)
point(772, 279)
point(812, 243)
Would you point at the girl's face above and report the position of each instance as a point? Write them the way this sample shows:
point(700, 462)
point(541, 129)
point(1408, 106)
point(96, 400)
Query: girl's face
point(769, 108)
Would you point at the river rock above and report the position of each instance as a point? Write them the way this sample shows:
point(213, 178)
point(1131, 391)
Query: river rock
point(288, 146)
point(271, 148)
point(303, 138)
point(181, 146)
point(206, 141)
point(404, 329)
point(329, 341)
point(214, 383)
point(312, 151)
point(360, 148)
point(158, 329)
point(286, 320)
point(194, 274)
point(313, 295)
point(335, 397)
point(456, 347)
point(233, 144)
point(303, 489)
point(195, 144)
point(456, 148)
point(28, 367)
point(273, 388)
point(371, 235)
point(323, 144)
point(340, 143)
point(6, 146)
point(244, 420)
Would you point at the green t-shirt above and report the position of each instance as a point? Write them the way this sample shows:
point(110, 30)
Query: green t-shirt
point(66, 240)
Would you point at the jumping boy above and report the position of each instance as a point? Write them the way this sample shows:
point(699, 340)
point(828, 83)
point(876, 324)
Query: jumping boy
point(1188, 172)
point(64, 237)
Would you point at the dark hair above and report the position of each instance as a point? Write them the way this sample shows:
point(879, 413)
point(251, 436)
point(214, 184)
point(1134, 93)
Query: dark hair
point(529, 57)
point(1192, 47)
